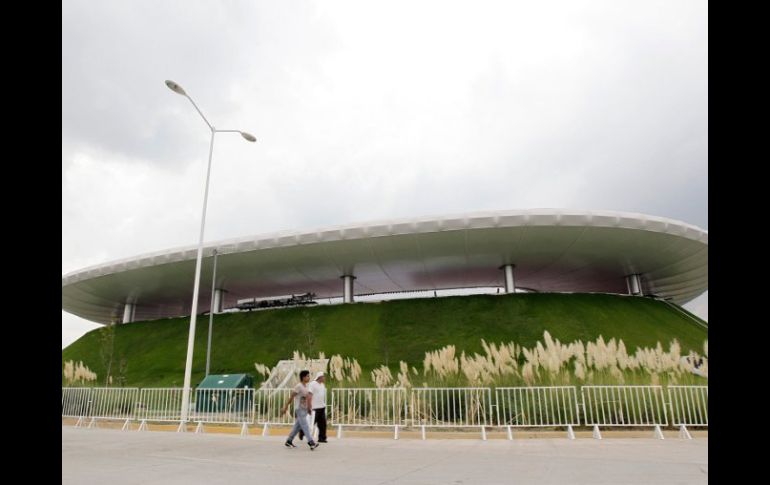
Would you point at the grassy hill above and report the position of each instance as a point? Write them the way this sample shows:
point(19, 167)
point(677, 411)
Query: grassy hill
point(154, 352)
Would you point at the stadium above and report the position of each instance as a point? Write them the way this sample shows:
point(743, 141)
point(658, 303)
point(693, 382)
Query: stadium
point(546, 251)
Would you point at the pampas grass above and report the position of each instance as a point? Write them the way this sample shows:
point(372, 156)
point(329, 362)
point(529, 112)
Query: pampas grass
point(548, 362)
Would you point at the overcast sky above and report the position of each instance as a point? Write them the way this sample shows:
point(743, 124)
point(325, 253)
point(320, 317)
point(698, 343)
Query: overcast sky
point(369, 110)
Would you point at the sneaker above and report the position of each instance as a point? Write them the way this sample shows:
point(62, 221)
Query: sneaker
point(313, 446)
point(322, 441)
point(289, 444)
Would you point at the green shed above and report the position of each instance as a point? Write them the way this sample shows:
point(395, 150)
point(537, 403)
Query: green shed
point(220, 393)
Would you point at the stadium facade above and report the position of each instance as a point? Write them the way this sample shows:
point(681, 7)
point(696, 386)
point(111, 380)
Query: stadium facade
point(544, 250)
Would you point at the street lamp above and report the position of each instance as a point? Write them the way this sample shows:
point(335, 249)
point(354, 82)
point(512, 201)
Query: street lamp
point(212, 308)
point(193, 315)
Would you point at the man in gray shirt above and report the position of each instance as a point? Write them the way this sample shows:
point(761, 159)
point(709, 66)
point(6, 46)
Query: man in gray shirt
point(303, 405)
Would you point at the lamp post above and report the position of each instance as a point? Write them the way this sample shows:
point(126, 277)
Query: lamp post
point(193, 315)
point(212, 308)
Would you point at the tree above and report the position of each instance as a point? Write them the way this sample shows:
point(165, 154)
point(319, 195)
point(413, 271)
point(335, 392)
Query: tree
point(309, 329)
point(122, 370)
point(107, 350)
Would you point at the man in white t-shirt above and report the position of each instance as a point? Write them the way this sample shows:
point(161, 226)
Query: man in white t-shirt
point(318, 388)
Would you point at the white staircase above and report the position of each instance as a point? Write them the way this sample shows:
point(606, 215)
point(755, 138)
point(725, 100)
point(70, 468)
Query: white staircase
point(285, 374)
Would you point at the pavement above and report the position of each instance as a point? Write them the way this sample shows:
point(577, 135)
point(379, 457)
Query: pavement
point(114, 457)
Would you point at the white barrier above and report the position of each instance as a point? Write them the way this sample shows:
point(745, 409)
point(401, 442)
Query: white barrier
point(76, 403)
point(689, 407)
point(611, 406)
point(524, 407)
point(234, 406)
point(160, 405)
point(451, 408)
point(380, 407)
point(624, 406)
point(113, 403)
point(267, 408)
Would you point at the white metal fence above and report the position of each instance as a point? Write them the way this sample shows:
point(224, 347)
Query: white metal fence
point(268, 404)
point(223, 406)
point(460, 407)
point(75, 402)
point(558, 406)
point(160, 404)
point(368, 407)
point(114, 402)
point(537, 407)
point(689, 407)
point(624, 406)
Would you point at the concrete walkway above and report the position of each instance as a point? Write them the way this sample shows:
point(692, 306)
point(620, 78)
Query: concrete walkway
point(107, 456)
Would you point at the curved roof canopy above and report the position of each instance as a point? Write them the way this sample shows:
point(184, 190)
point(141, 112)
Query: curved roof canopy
point(553, 251)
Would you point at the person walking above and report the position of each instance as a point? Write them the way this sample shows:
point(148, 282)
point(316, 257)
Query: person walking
point(318, 389)
point(303, 405)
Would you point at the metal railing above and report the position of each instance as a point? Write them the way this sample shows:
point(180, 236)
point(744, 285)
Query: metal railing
point(380, 407)
point(471, 407)
point(689, 407)
point(160, 404)
point(223, 406)
point(233, 406)
point(267, 408)
point(624, 406)
point(76, 403)
point(114, 402)
point(520, 407)
point(445, 407)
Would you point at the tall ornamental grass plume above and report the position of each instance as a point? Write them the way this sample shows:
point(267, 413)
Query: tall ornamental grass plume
point(263, 370)
point(336, 368)
point(442, 362)
point(77, 373)
point(548, 362)
point(551, 362)
point(403, 375)
point(344, 370)
point(309, 363)
point(382, 376)
point(300, 362)
point(69, 371)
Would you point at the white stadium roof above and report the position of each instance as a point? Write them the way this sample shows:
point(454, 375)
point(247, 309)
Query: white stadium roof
point(553, 250)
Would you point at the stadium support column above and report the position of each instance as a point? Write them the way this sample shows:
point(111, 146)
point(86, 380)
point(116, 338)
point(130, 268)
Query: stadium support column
point(510, 287)
point(218, 300)
point(634, 284)
point(347, 288)
point(129, 312)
